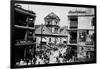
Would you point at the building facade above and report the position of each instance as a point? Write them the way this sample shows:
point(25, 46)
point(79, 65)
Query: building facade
point(51, 32)
point(23, 34)
point(81, 32)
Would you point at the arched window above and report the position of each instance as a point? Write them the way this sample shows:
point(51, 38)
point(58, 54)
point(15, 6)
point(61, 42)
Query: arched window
point(48, 22)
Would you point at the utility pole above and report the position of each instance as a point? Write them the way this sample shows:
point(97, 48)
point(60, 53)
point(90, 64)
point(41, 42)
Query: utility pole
point(41, 34)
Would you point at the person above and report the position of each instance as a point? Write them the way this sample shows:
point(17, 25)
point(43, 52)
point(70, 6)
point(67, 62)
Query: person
point(61, 59)
point(68, 56)
point(22, 62)
point(72, 52)
point(52, 57)
point(27, 54)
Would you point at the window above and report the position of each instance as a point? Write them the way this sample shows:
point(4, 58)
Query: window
point(74, 19)
point(48, 22)
point(49, 39)
point(29, 35)
point(82, 36)
point(56, 30)
point(73, 37)
point(73, 22)
point(30, 21)
point(90, 38)
point(56, 22)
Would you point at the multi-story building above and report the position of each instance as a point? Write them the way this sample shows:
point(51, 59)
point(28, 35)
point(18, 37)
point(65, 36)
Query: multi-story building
point(51, 32)
point(81, 32)
point(23, 33)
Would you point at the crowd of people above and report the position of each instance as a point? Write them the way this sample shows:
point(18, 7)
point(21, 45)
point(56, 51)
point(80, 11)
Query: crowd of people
point(62, 54)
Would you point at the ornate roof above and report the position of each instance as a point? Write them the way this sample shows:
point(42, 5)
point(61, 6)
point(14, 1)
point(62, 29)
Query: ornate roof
point(52, 15)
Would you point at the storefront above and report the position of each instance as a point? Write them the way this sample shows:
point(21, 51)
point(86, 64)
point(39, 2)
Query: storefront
point(85, 53)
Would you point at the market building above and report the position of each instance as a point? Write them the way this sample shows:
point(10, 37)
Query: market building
point(51, 32)
point(81, 33)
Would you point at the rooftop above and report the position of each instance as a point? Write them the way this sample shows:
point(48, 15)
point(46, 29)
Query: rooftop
point(18, 8)
point(52, 15)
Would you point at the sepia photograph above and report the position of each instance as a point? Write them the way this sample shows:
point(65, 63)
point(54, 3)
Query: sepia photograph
point(51, 34)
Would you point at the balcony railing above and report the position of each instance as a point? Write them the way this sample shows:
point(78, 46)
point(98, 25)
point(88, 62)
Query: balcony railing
point(24, 27)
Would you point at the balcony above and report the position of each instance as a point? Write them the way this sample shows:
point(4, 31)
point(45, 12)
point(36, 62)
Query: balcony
point(24, 27)
point(23, 43)
point(73, 41)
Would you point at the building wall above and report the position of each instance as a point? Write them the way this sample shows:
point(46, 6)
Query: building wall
point(85, 22)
